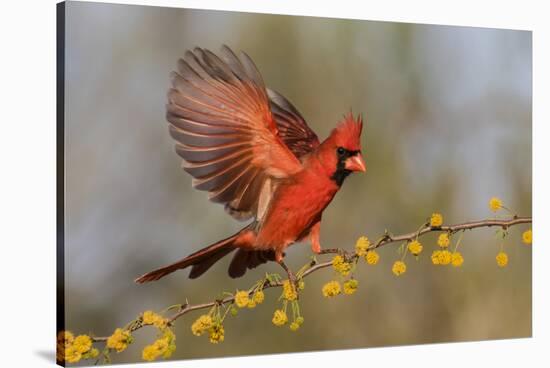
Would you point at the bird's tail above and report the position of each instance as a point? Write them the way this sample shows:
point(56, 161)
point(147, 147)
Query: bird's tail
point(201, 260)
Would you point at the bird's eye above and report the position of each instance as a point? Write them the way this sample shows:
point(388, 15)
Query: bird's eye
point(341, 151)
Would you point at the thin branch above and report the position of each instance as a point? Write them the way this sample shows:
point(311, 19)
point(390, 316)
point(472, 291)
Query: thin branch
point(315, 266)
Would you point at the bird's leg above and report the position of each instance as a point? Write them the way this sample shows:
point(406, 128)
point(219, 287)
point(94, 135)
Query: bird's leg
point(279, 259)
point(314, 236)
point(291, 276)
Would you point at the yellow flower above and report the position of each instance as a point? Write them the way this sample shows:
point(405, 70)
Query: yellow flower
point(331, 288)
point(445, 257)
point(161, 344)
point(436, 220)
point(527, 236)
point(164, 346)
point(435, 257)
point(168, 352)
point(65, 337)
point(456, 259)
point(415, 247)
point(279, 317)
point(201, 324)
point(372, 257)
point(169, 336)
point(151, 318)
point(289, 291)
point(216, 334)
point(259, 297)
point(150, 353)
point(119, 340)
point(443, 240)
point(361, 246)
point(502, 259)
point(170, 340)
point(495, 204)
point(153, 351)
point(399, 267)
point(350, 286)
point(340, 265)
point(72, 355)
point(241, 299)
point(294, 326)
point(91, 354)
point(300, 320)
point(67, 351)
point(251, 304)
point(82, 343)
point(148, 317)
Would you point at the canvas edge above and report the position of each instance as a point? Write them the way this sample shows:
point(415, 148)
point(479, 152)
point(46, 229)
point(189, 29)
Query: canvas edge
point(60, 170)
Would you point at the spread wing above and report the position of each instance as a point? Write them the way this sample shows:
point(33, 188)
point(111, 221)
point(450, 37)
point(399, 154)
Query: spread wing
point(292, 127)
point(220, 116)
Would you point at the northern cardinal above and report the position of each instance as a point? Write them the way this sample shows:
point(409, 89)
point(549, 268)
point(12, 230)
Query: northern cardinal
point(252, 150)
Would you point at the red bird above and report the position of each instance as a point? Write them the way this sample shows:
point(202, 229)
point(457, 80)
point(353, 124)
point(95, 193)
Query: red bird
point(250, 148)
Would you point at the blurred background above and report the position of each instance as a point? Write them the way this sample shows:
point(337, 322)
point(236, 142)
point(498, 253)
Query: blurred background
point(448, 125)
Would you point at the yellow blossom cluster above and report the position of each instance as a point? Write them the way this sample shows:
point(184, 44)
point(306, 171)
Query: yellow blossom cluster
point(441, 257)
point(258, 297)
point(279, 317)
point(502, 259)
point(201, 324)
point(350, 286)
point(204, 323)
point(362, 250)
point(362, 246)
point(216, 333)
point(495, 204)
point(119, 340)
point(72, 349)
point(331, 288)
point(294, 326)
point(436, 220)
point(456, 259)
point(64, 340)
point(164, 346)
point(152, 318)
point(399, 268)
point(372, 257)
point(445, 257)
point(241, 298)
point(527, 236)
point(443, 240)
point(289, 291)
point(340, 265)
point(415, 247)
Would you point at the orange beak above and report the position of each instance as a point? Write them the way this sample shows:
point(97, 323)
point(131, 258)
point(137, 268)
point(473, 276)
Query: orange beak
point(356, 163)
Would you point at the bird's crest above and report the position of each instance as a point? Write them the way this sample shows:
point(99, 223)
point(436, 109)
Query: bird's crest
point(347, 133)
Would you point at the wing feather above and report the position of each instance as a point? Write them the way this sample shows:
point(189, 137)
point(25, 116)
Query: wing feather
point(221, 117)
point(292, 127)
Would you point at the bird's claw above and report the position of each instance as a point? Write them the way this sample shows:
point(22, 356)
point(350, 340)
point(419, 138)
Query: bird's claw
point(291, 276)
